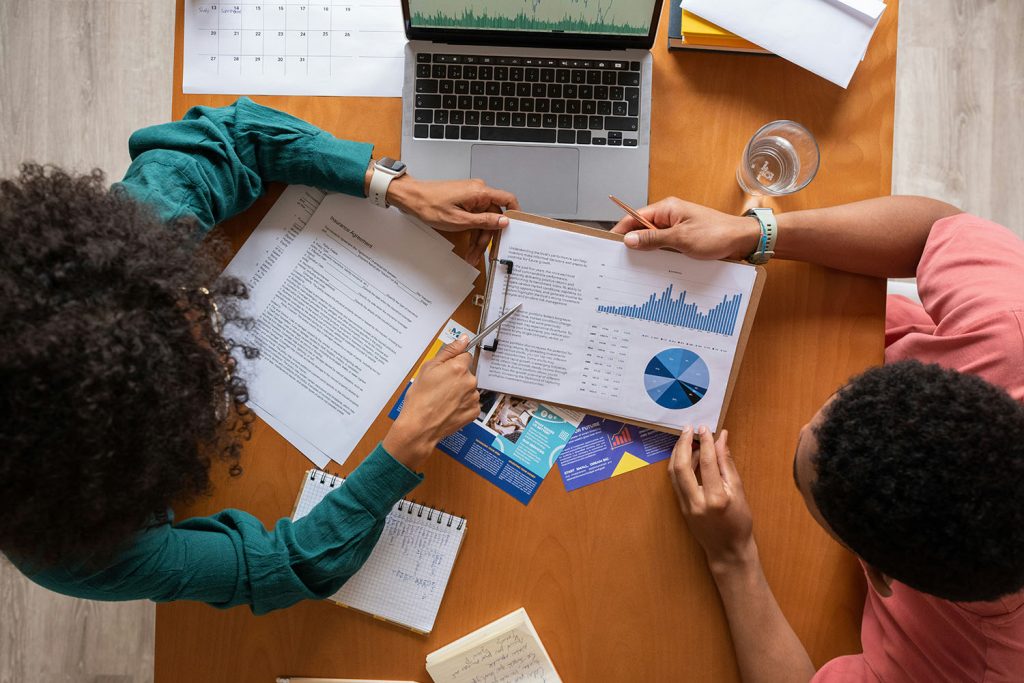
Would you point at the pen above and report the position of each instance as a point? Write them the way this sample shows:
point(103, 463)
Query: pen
point(475, 341)
point(632, 212)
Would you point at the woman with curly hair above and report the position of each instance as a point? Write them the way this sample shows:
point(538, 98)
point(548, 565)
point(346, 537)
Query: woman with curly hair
point(114, 367)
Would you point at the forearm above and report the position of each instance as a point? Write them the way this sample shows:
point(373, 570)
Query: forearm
point(232, 559)
point(282, 148)
point(766, 647)
point(215, 162)
point(314, 555)
point(883, 237)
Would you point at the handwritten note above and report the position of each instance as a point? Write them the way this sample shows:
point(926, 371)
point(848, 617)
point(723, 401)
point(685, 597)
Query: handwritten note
point(512, 654)
point(405, 576)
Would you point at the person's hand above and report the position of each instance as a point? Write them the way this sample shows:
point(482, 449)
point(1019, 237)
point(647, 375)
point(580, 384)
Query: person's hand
point(441, 401)
point(691, 229)
point(455, 205)
point(714, 505)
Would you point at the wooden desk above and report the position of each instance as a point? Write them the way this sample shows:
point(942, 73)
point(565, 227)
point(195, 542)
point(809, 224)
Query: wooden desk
point(615, 585)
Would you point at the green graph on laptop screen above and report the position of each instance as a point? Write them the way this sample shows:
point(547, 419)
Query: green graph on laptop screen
point(608, 17)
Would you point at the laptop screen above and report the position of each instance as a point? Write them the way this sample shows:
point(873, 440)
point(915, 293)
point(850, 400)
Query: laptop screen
point(545, 21)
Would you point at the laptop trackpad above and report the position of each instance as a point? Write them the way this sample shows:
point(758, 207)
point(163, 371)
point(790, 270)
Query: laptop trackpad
point(544, 179)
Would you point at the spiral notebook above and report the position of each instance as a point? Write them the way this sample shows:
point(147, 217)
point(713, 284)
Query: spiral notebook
point(405, 576)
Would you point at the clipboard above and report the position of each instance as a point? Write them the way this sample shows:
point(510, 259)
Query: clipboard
point(494, 264)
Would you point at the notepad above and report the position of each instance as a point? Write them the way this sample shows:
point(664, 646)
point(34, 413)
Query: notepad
point(505, 651)
point(404, 579)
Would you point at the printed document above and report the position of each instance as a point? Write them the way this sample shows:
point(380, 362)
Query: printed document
point(648, 336)
point(345, 297)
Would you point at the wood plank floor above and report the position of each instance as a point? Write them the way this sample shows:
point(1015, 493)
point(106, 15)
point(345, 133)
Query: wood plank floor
point(959, 97)
point(78, 76)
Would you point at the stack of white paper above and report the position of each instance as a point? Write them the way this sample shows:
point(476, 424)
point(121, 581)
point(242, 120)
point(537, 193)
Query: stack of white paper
point(826, 37)
point(345, 298)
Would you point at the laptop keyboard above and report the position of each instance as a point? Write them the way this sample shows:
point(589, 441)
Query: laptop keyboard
point(527, 99)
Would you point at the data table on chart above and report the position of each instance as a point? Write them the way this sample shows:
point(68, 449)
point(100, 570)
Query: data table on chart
point(605, 356)
point(291, 47)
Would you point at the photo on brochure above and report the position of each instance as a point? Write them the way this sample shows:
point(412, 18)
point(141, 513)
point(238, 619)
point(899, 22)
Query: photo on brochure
point(509, 415)
point(514, 442)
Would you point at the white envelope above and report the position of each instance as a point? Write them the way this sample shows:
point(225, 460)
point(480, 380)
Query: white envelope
point(826, 37)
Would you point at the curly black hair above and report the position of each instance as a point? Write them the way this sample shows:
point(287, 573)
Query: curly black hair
point(115, 390)
point(920, 471)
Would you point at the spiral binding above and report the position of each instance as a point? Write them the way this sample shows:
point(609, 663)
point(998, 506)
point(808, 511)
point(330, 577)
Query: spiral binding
point(404, 505)
point(323, 477)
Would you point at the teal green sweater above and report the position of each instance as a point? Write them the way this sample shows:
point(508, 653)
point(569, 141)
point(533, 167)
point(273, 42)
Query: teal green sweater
point(212, 165)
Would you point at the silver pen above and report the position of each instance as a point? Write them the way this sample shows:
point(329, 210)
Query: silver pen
point(478, 339)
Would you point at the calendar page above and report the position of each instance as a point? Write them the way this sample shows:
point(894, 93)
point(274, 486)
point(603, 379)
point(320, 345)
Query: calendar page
point(292, 47)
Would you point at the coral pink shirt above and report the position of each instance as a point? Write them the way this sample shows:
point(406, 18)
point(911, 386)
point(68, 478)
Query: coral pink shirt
point(971, 282)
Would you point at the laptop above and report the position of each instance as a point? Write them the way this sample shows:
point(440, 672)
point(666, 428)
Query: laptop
point(549, 99)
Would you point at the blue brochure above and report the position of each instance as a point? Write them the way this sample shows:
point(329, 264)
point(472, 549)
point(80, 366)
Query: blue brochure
point(514, 441)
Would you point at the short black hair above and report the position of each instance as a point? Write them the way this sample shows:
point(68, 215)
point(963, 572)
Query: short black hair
point(920, 471)
point(114, 398)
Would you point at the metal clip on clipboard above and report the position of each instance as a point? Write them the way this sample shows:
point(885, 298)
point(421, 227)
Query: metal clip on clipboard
point(504, 303)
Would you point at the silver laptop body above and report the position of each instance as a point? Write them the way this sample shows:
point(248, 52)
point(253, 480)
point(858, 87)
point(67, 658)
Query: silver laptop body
point(557, 166)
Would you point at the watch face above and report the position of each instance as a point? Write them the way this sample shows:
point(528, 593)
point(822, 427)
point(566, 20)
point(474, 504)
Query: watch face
point(392, 164)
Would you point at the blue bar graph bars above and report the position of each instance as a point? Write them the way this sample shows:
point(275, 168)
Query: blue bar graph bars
point(720, 319)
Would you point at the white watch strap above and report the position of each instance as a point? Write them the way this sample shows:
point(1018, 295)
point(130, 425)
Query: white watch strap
point(379, 183)
point(769, 232)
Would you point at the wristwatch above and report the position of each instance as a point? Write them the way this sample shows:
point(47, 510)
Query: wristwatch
point(384, 171)
point(769, 232)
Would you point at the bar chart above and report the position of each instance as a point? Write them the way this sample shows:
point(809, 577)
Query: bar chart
point(664, 308)
point(629, 17)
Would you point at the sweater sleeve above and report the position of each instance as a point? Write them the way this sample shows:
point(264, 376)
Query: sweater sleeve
point(215, 162)
point(231, 559)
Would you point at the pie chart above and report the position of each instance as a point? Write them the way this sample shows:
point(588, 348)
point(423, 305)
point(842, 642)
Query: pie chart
point(676, 378)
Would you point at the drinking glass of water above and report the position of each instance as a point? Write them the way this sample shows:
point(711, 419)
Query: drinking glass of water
point(780, 159)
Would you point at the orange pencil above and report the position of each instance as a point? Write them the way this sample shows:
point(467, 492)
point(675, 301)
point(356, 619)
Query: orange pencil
point(632, 212)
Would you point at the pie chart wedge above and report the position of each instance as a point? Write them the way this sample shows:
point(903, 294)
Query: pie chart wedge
point(676, 378)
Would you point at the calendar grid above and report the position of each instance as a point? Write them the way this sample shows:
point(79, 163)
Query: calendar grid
point(293, 47)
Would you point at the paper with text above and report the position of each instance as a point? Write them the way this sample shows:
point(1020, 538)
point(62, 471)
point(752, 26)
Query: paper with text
point(649, 336)
point(294, 47)
point(344, 297)
point(505, 651)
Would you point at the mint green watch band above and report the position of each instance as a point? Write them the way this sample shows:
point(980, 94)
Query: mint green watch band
point(769, 232)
